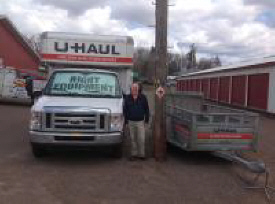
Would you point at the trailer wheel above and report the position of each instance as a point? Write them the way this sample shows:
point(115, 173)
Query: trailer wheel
point(38, 151)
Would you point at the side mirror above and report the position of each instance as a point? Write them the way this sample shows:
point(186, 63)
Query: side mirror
point(37, 94)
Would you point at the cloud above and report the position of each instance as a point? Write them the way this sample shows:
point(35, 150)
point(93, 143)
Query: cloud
point(267, 17)
point(224, 27)
point(267, 11)
point(74, 7)
point(231, 28)
point(263, 3)
point(138, 13)
point(30, 19)
point(98, 21)
point(33, 19)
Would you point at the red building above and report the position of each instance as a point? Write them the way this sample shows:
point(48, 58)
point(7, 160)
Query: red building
point(248, 84)
point(16, 52)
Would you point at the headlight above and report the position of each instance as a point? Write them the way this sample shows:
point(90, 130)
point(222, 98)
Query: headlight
point(117, 122)
point(36, 120)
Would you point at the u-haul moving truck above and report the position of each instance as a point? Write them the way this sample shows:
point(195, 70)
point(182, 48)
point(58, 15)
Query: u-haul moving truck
point(81, 104)
point(67, 50)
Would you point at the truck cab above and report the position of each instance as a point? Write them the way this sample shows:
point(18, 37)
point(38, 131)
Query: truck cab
point(78, 107)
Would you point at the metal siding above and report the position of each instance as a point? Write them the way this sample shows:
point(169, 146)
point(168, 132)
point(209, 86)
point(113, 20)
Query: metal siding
point(238, 90)
point(214, 88)
point(271, 92)
point(189, 85)
point(183, 85)
point(227, 89)
point(224, 89)
point(205, 87)
point(193, 84)
point(14, 53)
point(186, 85)
point(258, 88)
point(178, 86)
point(198, 85)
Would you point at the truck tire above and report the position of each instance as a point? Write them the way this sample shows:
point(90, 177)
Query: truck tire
point(117, 151)
point(38, 151)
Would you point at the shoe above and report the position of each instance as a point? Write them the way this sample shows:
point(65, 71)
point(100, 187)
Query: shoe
point(142, 158)
point(132, 158)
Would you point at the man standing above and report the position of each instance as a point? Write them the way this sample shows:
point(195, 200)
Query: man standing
point(29, 89)
point(136, 113)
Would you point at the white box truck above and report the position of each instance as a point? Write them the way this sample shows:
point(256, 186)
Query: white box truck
point(13, 85)
point(81, 104)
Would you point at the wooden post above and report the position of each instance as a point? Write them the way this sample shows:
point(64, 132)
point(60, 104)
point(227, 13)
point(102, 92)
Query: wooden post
point(161, 72)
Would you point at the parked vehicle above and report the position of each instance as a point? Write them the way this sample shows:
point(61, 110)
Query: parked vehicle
point(72, 50)
point(13, 85)
point(193, 125)
point(81, 105)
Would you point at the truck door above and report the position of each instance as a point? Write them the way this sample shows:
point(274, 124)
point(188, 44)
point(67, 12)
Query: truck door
point(125, 78)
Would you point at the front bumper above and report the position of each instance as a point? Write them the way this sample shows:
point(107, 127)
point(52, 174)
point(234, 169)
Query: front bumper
point(75, 139)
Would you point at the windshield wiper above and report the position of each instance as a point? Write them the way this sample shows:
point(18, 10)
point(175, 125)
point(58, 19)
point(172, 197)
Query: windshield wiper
point(110, 96)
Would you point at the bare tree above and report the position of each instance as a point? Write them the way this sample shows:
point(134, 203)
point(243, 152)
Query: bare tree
point(33, 41)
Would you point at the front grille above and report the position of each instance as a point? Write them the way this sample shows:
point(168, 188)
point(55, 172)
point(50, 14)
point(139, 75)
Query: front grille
point(102, 121)
point(75, 127)
point(48, 120)
point(66, 138)
point(76, 121)
point(74, 115)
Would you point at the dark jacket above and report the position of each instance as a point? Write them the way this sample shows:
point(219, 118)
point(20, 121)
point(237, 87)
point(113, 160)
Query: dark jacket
point(136, 110)
point(29, 86)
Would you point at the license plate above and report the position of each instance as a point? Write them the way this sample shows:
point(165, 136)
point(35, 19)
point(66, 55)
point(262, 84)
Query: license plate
point(76, 134)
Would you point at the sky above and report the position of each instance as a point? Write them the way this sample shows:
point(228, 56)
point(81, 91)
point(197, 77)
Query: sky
point(236, 30)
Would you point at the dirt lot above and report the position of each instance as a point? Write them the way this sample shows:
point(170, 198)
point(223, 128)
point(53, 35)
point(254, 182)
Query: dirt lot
point(94, 177)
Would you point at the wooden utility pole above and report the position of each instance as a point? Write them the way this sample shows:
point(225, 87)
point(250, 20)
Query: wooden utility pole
point(161, 72)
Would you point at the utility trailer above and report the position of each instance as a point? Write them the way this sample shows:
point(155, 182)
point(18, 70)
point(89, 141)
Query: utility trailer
point(194, 125)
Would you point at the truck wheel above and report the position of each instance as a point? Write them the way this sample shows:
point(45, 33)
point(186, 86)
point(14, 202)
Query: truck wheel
point(117, 151)
point(38, 151)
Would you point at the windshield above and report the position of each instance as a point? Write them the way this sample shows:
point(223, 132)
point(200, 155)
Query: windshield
point(83, 84)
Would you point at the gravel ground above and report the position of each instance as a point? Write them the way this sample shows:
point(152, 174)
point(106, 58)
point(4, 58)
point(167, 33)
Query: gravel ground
point(94, 177)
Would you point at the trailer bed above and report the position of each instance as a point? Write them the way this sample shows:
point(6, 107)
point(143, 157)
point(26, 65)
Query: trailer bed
point(195, 126)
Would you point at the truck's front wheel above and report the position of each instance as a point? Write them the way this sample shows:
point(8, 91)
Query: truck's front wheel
point(38, 151)
point(117, 151)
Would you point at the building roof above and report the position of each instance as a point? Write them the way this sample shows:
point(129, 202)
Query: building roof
point(11, 27)
point(256, 63)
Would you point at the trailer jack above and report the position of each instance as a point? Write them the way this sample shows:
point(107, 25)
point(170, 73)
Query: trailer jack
point(257, 167)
